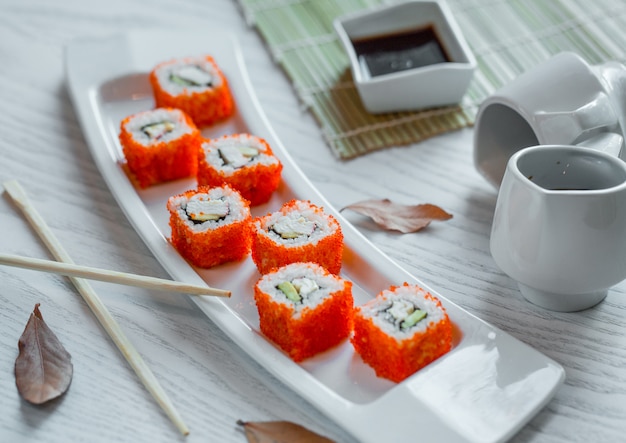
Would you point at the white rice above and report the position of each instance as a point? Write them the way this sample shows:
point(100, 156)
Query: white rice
point(142, 119)
point(238, 210)
point(403, 295)
point(303, 209)
point(212, 152)
point(164, 71)
point(328, 284)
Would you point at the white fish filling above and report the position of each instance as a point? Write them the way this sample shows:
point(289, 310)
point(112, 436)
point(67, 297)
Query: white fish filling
point(231, 153)
point(209, 206)
point(201, 208)
point(183, 70)
point(157, 125)
point(303, 224)
point(158, 130)
point(304, 286)
point(237, 156)
point(289, 227)
point(309, 279)
point(390, 311)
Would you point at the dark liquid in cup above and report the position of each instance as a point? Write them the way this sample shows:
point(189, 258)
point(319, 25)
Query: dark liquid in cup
point(388, 53)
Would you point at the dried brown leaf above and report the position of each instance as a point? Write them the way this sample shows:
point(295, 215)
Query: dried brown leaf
point(43, 368)
point(396, 217)
point(279, 432)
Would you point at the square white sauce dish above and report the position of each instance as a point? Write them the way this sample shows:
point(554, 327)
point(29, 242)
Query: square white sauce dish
point(407, 56)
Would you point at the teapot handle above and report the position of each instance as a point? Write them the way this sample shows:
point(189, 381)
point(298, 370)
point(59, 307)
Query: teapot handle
point(608, 142)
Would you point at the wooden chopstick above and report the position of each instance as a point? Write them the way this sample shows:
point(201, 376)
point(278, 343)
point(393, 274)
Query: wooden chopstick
point(123, 278)
point(19, 197)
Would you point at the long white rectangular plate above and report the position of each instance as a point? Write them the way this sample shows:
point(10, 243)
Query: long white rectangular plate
point(484, 390)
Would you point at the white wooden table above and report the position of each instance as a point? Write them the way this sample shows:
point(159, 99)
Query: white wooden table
point(212, 382)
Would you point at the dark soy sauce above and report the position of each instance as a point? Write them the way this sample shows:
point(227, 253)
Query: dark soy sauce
point(387, 53)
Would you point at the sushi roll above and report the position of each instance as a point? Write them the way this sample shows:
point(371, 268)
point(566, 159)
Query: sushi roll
point(298, 232)
point(304, 309)
point(196, 85)
point(210, 226)
point(160, 145)
point(400, 331)
point(243, 161)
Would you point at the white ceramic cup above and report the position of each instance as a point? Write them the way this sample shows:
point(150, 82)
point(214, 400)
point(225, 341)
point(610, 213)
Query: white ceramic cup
point(559, 227)
point(561, 101)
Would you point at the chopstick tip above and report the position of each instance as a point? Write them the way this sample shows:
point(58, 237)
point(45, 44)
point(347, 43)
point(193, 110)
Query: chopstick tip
point(13, 188)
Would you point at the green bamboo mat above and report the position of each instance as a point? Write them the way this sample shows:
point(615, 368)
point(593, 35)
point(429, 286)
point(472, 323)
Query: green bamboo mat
point(506, 36)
